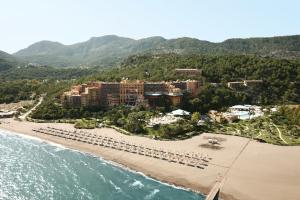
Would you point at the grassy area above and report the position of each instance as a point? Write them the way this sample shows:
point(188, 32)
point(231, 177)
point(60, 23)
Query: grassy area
point(178, 130)
point(262, 129)
point(86, 124)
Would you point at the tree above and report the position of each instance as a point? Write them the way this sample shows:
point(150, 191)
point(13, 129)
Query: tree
point(195, 117)
point(135, 123)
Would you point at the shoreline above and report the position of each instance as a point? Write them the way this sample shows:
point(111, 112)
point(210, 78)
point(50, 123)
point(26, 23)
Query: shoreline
point(115, 164)
point(249, 177)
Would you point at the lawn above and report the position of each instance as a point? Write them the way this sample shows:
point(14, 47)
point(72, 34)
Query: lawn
point(262, 129)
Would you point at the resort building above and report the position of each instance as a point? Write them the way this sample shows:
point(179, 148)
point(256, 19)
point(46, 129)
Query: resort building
point(128, 92)
point(131, 91)
point(245, 83)
point(235, 84)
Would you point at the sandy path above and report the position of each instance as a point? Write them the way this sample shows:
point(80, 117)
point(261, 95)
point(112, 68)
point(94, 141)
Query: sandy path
point(280, 134)
point(23, 117)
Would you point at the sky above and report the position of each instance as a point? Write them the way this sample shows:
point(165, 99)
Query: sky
point(70, 21)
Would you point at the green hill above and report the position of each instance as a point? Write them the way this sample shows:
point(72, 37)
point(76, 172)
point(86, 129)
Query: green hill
point(12, 68)
point(281, 77)
point(7, 61)
point(109, 50)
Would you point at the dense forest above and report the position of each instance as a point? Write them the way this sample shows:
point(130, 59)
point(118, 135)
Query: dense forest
point(14, 91)
point(20, 81)
point(281, 78)
point(42, 73)
point(288, 115)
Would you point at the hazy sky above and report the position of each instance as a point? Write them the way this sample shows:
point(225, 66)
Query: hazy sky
point(24, 22)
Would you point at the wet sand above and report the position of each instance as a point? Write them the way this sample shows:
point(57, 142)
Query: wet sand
point(252, 170)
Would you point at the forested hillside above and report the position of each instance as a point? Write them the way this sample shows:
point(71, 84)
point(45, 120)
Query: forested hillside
point(107, 51)
point(14, 91)
point(21, 81)
point(12, 68)
point(7, 61)
point(43, 72)
point(281, 77)
point(280, 82)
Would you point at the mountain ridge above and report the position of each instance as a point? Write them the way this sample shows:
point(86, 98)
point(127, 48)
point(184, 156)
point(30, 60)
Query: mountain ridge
point(8, 61)
point(109, 50)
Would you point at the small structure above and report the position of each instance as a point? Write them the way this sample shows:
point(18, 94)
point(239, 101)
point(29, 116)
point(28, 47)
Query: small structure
point(7, 114)
point(245, 83)
point(230, 117)
point(213, 141)
point(179, 112)
point(222, 117)
point(274, 109)
point(235, 84)
point(215, 116)
point(167, 119)
point(200, 122)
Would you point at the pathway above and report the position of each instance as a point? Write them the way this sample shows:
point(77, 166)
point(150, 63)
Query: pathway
point(220, 182)
point(280, 134)
point(25, 115)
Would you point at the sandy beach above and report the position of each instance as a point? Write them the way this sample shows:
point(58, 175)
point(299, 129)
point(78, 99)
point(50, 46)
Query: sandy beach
point(251, 170)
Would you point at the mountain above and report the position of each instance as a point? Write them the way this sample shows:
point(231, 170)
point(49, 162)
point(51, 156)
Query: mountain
point(12, 68)
point(7, 61)
point(111, 49)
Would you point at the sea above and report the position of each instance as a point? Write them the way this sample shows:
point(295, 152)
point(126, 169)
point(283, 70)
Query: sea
point(32, 169)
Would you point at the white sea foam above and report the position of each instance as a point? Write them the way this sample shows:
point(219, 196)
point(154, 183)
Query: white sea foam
point(3, 194)
point(116, 187)
point(59, 146)
point(152, 194)
point(102, 177)
point(22, 135)
point(137, 183)
point(145, 176)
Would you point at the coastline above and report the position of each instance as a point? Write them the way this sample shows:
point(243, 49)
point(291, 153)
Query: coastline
point(98, 157)
point(62, 147)
point(200, 180)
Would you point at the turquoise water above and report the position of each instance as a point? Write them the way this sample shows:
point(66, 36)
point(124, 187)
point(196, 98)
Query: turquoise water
point(33, 169)
point(242, 114)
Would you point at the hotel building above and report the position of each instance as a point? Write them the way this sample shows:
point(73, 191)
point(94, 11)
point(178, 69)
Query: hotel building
point(128, 92)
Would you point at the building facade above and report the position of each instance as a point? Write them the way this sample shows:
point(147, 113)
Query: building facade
point(128, 92)
point(245, 83)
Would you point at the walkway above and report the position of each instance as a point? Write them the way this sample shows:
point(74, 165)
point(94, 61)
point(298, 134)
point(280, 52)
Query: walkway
point(280, 134)
point(214, 192)
point(25, 115)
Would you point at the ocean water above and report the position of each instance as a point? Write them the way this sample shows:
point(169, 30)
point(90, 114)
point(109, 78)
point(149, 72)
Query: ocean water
point(35, 170)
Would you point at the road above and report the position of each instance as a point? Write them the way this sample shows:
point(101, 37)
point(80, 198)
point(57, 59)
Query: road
point(25, 115)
